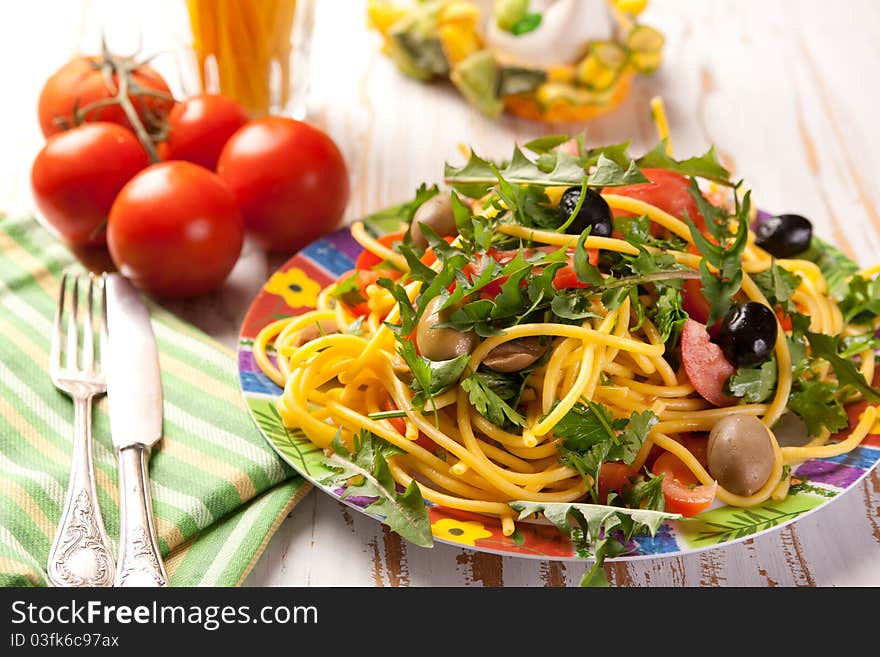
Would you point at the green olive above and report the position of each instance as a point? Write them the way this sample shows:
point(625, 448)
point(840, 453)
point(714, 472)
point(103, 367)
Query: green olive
point(437, 214)
point(442, 343)
point(740, 454)
point(515, 355)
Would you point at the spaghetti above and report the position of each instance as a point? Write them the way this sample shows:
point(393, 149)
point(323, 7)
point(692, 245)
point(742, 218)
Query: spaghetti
point(604, 359)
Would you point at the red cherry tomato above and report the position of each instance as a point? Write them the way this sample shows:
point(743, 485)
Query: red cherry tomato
point(668, 191)
point(682, 491)
point(614, 477)
point(289, 180)
point(174, 230)
point(81, 82)
point(705, 364)
point(199, 127)
point(78, 173)
point(368, 259)
point(694, 303)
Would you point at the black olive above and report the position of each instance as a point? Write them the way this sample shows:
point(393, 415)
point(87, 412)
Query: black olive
point(748, 333)
point(594, 212)
point(784, 236)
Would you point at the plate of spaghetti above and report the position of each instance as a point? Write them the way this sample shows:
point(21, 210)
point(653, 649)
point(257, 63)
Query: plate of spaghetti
point(573, 354)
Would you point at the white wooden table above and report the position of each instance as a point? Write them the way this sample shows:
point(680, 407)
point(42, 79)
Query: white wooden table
point(786, 90)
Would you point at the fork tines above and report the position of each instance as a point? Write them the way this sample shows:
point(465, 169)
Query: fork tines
point(77, 291)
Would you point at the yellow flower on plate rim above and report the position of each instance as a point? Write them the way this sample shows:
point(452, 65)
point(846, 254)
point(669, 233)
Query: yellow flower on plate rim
point(294, 286)
point(465, 532)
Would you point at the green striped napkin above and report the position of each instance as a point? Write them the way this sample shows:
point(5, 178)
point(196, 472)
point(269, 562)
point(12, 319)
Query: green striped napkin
point(219, 492)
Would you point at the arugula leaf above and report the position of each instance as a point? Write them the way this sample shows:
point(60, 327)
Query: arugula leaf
point(585, 426)
point(704, 166)
point(609, 173)
point(572, 306)
point(488, 403)
point(635, 230)
point(596, 530)
point(778, 284)
point(407, 312)
point(754, 384)
point(545, 144)
point(668, 314)
point(645, 493)
point(855, 344)
point(636, 432)
point(478, 176)
point(586, 272)
point(835, 265)
point(396, 216)
point(348, 291)
point(816, 404)
point(720, 289)
point(430, 378)
point(862, 300)
point(617, 153)
point(364, 472)
point(592, 436)
point(826, 347)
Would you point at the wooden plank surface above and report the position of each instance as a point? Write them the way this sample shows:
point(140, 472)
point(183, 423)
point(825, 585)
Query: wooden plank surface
point(786, 90)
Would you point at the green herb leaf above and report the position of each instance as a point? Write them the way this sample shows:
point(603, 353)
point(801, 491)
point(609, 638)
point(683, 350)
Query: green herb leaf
point(720, 289)
point(754, 384)
point(364, 472)
point(478, 176)
point(488, 403)
point(835, 265)
point(704, 166)
point(348, 291)
point(545, 144)
point(609, 173)
point(407, 312)
point(668, 314)
point(778, 284)
point(816, 404)
point(826, 347)
point(586, 272)
point(861, 303)
point(593, 528)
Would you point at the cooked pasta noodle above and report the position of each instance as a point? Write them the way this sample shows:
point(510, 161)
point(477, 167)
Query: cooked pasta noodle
point(343, 383)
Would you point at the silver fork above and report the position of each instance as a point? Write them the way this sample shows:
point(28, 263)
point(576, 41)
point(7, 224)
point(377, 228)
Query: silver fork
point(80, 553)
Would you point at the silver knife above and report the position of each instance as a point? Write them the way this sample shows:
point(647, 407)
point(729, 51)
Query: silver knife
point(134, 391)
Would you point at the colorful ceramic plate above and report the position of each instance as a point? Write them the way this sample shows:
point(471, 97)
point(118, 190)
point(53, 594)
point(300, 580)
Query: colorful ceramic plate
point(293, 290)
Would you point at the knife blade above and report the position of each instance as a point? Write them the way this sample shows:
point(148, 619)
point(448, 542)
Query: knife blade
point(134, 392)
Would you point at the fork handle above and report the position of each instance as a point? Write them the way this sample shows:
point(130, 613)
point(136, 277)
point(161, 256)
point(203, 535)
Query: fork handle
point(80, 554)
point(140, 563)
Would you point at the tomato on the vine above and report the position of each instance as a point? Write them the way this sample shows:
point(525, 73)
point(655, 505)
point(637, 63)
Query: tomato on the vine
point(82, 82)
point(199, 127)
point(77, 175)
point(289, 179)
point(174, 230)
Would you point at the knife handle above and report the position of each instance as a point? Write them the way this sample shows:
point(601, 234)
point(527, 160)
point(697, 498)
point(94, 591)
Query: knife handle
point(81, 554)
point(140, 563)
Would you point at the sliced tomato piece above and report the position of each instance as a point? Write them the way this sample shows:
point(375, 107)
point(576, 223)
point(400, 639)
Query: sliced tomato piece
point(365, 278)
point(429, 258)
point(682, 491)
point(397, 422)
point(368, 259)
point(614, 477)
point(705, 364)
point(668, 191)
point(694, 303)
